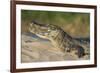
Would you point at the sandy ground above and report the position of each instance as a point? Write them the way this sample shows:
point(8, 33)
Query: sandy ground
point(39, 50)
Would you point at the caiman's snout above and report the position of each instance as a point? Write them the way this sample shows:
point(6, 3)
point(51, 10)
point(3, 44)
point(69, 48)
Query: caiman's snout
point(37, 28)
point(34, 22)
point(32, 25)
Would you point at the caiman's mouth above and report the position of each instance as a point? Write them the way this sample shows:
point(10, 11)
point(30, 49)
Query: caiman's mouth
point(41, 30)
point(46, 31)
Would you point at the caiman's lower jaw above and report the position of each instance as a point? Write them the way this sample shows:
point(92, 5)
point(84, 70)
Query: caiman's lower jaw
point(42, 35)
point(31, 30)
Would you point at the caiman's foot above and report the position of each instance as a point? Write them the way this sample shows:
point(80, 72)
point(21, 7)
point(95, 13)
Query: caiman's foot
point(80, 51)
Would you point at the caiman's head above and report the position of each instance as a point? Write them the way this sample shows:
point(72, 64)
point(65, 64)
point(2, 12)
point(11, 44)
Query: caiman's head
point(46, 31)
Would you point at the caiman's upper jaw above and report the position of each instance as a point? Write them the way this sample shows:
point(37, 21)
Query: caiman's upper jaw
point(36, 23)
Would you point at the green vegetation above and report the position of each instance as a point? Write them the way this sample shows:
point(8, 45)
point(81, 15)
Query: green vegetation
point(76, 24)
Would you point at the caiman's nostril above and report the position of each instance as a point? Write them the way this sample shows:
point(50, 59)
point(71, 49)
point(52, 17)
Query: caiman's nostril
point(34, 22)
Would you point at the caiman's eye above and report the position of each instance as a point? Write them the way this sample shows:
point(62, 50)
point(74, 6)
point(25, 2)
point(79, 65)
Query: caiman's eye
point(49, 30)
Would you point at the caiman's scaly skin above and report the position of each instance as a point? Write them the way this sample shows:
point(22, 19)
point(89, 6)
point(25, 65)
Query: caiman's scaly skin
point(59, 38)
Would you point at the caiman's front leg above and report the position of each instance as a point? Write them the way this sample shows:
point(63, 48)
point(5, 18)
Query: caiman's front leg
point(80, 52)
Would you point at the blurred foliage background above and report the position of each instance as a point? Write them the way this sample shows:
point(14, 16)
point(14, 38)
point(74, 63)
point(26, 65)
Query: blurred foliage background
point(75, 24)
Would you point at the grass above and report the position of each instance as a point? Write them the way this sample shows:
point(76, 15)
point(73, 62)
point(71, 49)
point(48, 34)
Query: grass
point(76, 24)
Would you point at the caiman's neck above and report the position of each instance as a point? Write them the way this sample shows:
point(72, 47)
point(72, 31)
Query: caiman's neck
point(61, 40)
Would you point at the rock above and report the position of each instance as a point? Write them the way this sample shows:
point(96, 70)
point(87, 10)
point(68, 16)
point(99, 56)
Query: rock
point(35, 49)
